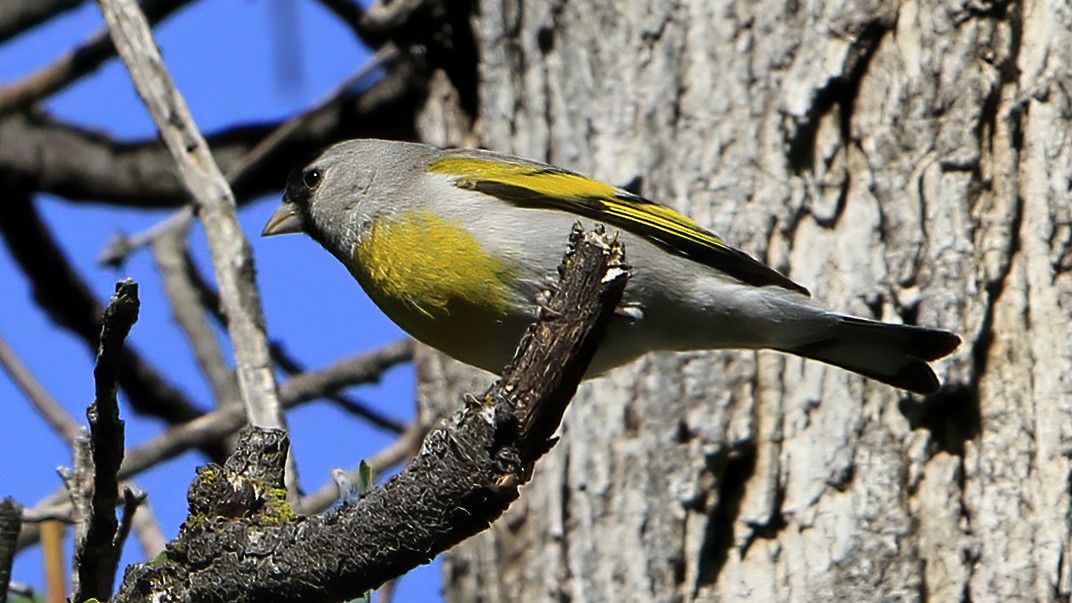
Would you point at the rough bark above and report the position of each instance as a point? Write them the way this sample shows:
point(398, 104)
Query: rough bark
point(241, 542)
point(906, 161)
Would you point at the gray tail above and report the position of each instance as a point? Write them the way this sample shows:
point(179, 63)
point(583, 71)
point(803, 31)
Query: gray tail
point(890, 353)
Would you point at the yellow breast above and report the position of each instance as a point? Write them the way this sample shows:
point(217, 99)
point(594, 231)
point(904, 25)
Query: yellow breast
point(433, 278)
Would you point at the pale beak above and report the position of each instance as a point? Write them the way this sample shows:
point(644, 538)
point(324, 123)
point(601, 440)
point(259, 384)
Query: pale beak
point(285, 220)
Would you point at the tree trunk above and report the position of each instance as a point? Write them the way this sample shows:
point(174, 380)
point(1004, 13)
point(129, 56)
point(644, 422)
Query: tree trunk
point(907, 162)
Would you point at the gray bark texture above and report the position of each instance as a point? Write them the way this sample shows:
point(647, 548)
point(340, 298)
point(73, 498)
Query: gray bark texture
point(909, 161)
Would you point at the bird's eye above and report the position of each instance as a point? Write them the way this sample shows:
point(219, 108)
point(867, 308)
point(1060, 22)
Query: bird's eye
point(311, 178)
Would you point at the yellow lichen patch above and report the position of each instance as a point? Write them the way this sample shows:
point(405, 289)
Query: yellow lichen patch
point(277, 511)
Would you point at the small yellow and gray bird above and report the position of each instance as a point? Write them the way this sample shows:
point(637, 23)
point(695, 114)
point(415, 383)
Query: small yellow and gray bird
point(456, 246)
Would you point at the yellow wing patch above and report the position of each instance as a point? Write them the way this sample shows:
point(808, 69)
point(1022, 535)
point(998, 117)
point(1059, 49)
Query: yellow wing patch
point(535, 185)
point(552, 182)
point(547, 180)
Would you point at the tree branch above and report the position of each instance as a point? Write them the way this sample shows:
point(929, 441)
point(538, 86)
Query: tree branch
point(467, 473)
point(147, 528)
point(74, 65)
point(318, 384)
point(61, 293)
point(175, 267)
point(47, 406)
point(85, 166)
point(215, 205)
point(326, 383)
point(97, 553)
point(213, 427)
point(133, 499)
point(17, 16)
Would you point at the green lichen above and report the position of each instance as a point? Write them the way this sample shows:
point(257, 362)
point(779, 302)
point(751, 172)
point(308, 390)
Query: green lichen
point(276, 510)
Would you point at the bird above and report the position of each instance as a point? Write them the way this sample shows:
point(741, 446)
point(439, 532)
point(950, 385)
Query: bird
point(456, 246)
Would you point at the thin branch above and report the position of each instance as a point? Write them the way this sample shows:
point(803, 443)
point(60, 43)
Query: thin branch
point(175, 266)
point(86, 166)
point(17, 16)
point(58, 503)
point(43, 402)
point(74, 65)
point(270, 146)
point(323, 387)
point(132, 500)
point(215, 426)
point(215, 207)
point(469, 470)
point(148, 531)
point(258, 160)
point(35, 515)
point(211, 427)
point(97, 553)
point(365, 412)
point(122, 245)
point(68, 301)
point(78, 484)
point(342, 374)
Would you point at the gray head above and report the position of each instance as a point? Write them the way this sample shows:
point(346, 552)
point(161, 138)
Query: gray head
point(346, 186)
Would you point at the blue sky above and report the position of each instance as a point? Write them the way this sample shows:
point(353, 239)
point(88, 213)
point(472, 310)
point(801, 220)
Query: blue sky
point(236, 62)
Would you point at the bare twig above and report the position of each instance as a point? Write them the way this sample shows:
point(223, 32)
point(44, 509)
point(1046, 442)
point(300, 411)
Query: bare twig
point(58, 503)
point(74, 65)
point(35, 515)
point(365, 412)
point(78, 484)
point(42, 401)
point(363, 368)
point(148, 531)
point(175, 267)
point(17, 16)
point(258, 159)
point(389, 355)
point(121, 245)
point(271, 144)
point(215, 207)
point(61, 292)
point(214, 426)
point(97, 553)
point(132, 501)
point(309, 386)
